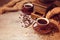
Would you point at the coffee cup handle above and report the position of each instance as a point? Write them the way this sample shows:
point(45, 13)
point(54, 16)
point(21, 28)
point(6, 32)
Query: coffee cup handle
point(34, 22)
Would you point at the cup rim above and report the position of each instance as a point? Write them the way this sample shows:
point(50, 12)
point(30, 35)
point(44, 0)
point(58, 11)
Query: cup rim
point(44, 19)
point(28, 4)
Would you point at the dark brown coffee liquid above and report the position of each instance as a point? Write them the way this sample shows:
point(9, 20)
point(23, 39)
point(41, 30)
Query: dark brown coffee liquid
point(42, 21)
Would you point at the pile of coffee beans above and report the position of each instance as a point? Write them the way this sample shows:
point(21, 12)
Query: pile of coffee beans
point(26, 20)
point(56, 17)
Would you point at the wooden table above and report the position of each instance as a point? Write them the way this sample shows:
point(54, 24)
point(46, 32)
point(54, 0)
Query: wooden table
point(11, 29)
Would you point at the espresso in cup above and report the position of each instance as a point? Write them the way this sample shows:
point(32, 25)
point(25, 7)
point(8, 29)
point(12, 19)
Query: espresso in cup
point(27, 8)
point(42, 21)
point(41, 26)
